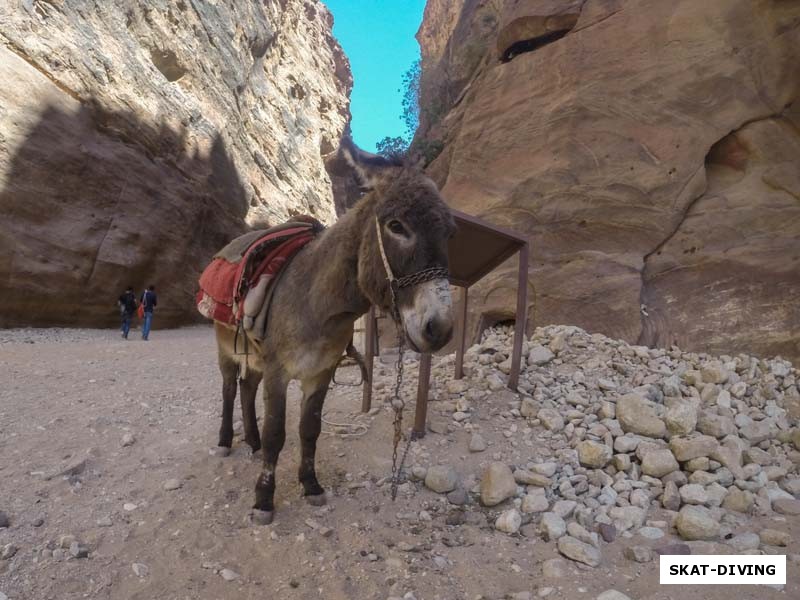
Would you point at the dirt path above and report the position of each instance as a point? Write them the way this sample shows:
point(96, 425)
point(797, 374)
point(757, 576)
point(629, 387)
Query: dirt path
point(67, 400)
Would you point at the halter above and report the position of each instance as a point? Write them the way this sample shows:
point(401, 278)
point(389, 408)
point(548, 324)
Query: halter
point(395, 284)
point(398, 404)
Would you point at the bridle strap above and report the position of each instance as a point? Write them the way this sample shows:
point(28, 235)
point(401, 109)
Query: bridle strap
point(409, 280)
point(386, 266)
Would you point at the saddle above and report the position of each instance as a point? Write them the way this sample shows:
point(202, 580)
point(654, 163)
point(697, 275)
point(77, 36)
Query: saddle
point(236, 287)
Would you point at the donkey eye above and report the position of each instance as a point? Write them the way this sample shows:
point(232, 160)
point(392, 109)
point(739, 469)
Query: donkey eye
point(396, 226)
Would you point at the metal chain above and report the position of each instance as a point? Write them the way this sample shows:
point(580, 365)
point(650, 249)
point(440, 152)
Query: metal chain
point(423, 276)
point(398, 404)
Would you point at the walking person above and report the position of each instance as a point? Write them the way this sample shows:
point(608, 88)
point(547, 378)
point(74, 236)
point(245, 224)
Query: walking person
point(127, 306)
point(149, 301)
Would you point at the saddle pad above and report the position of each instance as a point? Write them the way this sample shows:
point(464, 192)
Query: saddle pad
point(226, 281)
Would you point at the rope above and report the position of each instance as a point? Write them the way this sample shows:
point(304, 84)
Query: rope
point(357, 429)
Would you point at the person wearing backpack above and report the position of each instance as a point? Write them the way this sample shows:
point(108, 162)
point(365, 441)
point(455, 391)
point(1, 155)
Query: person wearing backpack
point(127, 306)
point(149, 301)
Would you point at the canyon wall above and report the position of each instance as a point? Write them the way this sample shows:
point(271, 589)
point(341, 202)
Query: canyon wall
point(138, 137)
point(649, 150)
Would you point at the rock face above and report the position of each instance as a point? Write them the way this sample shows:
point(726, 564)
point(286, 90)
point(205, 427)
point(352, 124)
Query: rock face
point(136, 139)
point(649, 149)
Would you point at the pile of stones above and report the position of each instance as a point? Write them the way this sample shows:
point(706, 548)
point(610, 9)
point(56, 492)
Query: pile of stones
point(608, 434)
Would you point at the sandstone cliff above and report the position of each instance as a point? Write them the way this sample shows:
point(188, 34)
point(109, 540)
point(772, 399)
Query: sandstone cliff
point(650, 150)
point(137, 137)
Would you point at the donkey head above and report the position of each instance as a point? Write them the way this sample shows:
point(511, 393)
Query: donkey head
point(406, 241)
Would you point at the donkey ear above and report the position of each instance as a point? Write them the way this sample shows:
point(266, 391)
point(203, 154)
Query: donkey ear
point(369, 168)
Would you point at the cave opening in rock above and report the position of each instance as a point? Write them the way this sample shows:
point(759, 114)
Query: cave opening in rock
point(529, 45)
point(490, 320)
point(167, 62)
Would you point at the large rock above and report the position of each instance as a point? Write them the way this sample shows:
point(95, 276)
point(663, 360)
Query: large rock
point(715, 425)
point(658, 463)
point(756, 432)
point(551, 419)
point(693, 493)
point(441, 479)
point(738, 500)
point(774, 537)
point(638, 415)
point(714, 372)
point(687, 448)
point(786, 506)
point(525, 477)
point(730, 456)
point(552, 526)
point(137, 138)
point(696, 523)
point(497, 484)
point(579, 551)
point(627, 517)
point(653, 189)
point(535, 503)
point(594, 455)
point(681, 418)
point(509, 521)
point(539, 355)
point(671, 498)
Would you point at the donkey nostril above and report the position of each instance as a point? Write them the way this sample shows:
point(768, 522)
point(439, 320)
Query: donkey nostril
point(438, 331)
point(430, 328)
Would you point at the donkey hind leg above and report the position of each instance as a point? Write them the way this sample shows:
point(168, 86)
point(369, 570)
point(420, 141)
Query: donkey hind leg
point(230, 373)
point(272, 438)
point(248, 387)
point(314, 391)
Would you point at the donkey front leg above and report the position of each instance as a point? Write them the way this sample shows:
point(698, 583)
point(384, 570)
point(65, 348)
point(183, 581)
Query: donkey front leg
point(248, 388)
point(272, 438)
point(230, 373)
point(314, 391)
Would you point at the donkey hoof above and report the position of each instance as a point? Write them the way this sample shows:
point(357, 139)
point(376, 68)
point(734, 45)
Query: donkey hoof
point(221, 451)
point(262, 517)
point(317, 499)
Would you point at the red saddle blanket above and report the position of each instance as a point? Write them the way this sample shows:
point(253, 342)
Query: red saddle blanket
point(236, 285)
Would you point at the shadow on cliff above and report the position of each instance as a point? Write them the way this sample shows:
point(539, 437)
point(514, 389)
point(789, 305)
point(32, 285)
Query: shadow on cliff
point(97, 200)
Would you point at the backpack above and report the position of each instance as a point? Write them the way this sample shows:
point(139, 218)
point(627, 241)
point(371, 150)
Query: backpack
point(127, 303)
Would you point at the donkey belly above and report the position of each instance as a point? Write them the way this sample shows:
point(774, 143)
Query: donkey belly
point(307, 361)
point(248, 356)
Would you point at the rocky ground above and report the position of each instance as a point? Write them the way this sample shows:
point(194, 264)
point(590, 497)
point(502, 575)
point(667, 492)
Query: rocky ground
point(610, 455)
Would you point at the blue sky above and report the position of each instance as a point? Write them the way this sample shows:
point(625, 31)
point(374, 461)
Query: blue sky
point(378, 38)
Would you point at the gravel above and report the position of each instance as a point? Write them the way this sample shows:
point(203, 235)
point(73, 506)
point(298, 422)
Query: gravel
point(606, 443)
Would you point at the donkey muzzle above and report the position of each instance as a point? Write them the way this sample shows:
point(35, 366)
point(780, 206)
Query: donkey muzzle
point(428, 320)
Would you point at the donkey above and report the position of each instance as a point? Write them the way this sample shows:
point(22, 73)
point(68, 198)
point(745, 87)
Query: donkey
point(398, 229)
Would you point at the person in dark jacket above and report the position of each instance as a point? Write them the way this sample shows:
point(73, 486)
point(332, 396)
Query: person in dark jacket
point(149, 301)
point(127, 306)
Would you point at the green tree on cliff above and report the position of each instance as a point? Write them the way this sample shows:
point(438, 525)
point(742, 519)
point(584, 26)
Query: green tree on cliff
point(393, 147)
point(410, 114)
